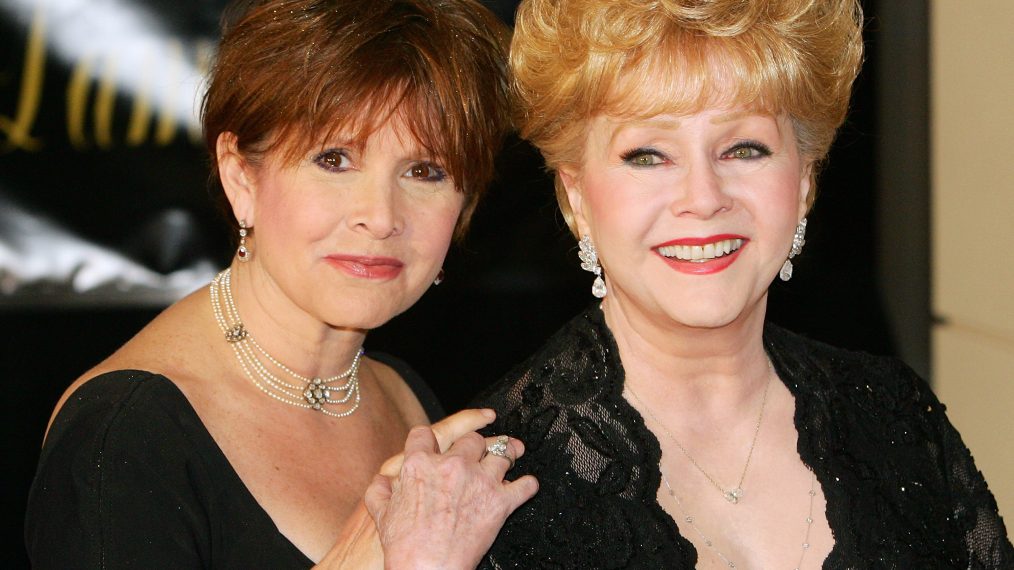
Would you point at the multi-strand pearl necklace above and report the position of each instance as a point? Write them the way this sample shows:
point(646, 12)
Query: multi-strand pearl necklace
point(311, 393)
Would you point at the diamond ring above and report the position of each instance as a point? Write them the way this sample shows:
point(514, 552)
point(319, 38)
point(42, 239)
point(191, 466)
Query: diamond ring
point(500, 448)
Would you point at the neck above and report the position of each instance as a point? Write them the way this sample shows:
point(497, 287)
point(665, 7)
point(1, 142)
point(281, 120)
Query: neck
point(697, 368)
point(298, 339)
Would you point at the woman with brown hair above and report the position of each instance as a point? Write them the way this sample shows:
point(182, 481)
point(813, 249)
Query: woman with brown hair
point(669, 425)
point(243, 427)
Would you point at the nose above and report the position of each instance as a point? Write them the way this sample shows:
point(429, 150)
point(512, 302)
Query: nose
point(702, 193)
point(376, 209)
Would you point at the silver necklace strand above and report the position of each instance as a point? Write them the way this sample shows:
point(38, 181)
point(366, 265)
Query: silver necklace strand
point(689, 519)
point(311, 393)
point(735, 494)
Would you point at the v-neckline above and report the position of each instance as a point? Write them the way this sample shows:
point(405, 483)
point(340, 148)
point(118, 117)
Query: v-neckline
point(654, 476)
point(226, 468)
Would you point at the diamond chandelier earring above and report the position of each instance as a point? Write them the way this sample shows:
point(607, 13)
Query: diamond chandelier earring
point(590, 262)
point(797, 247)
point(242, 252)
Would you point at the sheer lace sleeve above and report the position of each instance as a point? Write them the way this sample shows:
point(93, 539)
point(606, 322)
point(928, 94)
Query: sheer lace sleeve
point(975, 510)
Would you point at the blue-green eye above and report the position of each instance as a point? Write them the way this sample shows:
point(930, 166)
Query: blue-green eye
point(426, 171)
point(643, 157)
point(747, 151)
point(333, 160)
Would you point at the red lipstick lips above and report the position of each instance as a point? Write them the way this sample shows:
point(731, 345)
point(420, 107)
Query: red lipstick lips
point(700, 266)
point(367, 267)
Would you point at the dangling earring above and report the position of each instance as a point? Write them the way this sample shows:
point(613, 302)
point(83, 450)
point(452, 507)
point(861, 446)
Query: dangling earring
point(242, 252)
point(797, 247)
point(440, 277)
point(590, 262)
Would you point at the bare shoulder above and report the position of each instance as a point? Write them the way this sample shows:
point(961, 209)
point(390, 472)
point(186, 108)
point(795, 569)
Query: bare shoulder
point(398, 391)
point(181, 329)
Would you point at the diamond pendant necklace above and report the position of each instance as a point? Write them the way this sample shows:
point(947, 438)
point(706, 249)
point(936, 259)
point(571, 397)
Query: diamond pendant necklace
point(735, 494)
point(689, 519)
point(313, 393)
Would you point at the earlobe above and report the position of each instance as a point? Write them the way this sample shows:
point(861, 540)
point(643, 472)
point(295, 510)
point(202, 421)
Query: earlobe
point(236, 177)
point(575, 199)
point(805, 187)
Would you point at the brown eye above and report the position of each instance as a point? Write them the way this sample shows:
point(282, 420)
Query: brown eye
point(332, 160)
point(426, 171)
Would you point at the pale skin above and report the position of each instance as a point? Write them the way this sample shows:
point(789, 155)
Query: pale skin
point(692, 343)
point(384, 198)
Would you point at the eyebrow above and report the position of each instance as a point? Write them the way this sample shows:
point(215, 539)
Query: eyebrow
point(673, 124)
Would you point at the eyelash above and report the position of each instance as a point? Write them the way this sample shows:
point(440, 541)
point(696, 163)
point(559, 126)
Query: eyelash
point(439, 174)
point(328, 159)
point(632, 154)
point(761, 149)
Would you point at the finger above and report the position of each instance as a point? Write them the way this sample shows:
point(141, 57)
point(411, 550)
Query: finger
point(392, 467)
point(471, 446)
point(497, 464)
point(520, 490)
point(378, 494)
point(420, 438)
point(449, 429)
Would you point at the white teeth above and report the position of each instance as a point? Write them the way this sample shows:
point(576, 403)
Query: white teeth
point(701, 253)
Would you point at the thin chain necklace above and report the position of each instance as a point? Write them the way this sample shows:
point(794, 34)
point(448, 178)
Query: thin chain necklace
point(735, 494)
point(689, 519)
point(311, 393)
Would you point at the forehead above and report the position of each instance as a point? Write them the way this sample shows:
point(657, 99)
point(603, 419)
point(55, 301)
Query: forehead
point(407, 123)
point(607, 129)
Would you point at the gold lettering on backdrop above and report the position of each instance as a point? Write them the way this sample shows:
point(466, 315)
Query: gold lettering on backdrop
point(18, 130)
point(105, 103)
point(140, 116)
point(77, 102)
point(91, 117)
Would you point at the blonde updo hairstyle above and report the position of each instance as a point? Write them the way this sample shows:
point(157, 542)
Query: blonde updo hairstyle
point(575, 59)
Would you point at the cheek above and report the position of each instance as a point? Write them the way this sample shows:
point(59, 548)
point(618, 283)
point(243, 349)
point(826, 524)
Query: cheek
point(434, 223)
point(620, 206)
point(290, 213)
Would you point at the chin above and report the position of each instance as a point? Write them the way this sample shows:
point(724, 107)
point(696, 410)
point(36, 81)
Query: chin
point(360, 314)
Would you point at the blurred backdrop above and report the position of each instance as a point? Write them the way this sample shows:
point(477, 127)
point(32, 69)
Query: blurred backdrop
point(105, 217)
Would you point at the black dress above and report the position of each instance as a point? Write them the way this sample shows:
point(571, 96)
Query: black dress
point(902, 490)
point(129, 477)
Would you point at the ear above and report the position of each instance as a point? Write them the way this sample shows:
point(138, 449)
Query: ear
point(805, 186)
point(237, 178)
point(570, 178)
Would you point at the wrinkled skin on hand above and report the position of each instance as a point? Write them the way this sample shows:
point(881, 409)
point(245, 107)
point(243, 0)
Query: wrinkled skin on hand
point(445, 506)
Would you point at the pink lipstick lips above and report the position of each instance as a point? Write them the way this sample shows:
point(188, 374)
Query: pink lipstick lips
point(366, 267)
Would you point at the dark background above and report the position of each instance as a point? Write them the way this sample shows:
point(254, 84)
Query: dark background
point(512, 283)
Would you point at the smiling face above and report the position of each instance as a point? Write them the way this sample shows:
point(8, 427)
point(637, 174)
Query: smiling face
point(692, 215)
point(352, 233)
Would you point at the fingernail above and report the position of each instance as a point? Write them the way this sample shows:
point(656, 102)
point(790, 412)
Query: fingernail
point(489, 413)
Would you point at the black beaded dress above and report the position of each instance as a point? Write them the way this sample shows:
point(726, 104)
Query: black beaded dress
point(902, 489)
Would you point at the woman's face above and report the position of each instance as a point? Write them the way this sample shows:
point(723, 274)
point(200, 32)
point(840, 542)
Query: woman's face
point(352, 235)
point(692, 215)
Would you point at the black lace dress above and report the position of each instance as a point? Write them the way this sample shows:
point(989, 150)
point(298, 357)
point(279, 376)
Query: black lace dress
point(902, 490)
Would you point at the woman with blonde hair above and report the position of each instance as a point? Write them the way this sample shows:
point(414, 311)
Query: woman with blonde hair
point(245, 426)
point(670, 425)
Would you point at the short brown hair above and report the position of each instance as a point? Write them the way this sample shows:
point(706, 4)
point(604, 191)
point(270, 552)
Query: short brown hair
point(574, 59)
point(290, 73)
